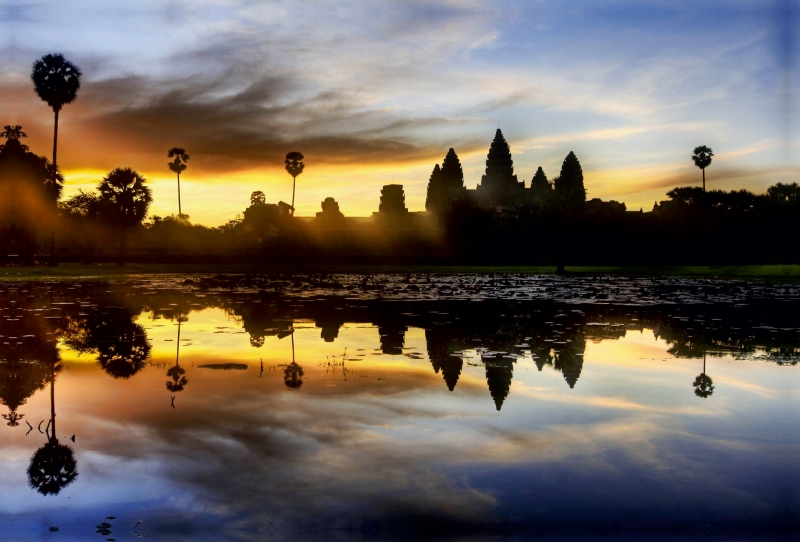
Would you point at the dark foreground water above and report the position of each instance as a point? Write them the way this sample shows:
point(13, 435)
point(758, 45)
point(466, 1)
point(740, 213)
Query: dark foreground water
point(399, 407)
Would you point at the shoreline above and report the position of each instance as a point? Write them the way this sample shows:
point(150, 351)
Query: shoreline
point(765, 273)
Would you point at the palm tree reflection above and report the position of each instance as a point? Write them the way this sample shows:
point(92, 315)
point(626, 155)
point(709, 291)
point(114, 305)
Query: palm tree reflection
point(703, 385)
point(53, 466)
point(120, 343)
point(293, 373)
point(177, 372)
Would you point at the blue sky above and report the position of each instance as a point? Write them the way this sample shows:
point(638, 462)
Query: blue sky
point(376, 91)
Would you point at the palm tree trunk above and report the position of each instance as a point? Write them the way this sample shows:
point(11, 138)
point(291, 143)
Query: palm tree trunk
point(294, 183)
point(55, 141)
point(704, 180)
point(292, 345)
point(180, 213)
point(53, 400)
point(178, 353)
point(55, 166)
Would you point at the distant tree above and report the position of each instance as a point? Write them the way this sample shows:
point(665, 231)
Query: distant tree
point(56, 81)
point(568, 186)
point(784, 192)
point(257, 198)
point(82, 204)
point(702, 159)
point(124, 201)
point(687, 195)
point(178, 165)
point(294, 166)
point(29, 189)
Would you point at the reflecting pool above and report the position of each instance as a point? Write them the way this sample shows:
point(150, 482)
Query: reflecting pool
point(396, 407)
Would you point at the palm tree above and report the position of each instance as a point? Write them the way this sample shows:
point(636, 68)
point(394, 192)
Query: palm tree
point(703, 385)
point(124, 201)
point(294, 165)
point(177, 166)
point(702, 159)
point(56, 81)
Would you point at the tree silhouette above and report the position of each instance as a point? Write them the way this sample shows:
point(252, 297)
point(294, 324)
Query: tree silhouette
point(703, 385)
point(120, 343)
point(702, 159)
point(293, 373)
point(124, 201)
point(29, 189)
point(294, 166)
point(176, 373)
point(19, 380)
point(178, 166)
point(53, 466)
point(56, 81)
point(122, 349)
point(782, 192)
point(257, 198)
point(293, 376)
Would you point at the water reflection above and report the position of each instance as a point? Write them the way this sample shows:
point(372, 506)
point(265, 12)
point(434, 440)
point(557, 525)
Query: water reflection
point(53, 466)
point(398, 422)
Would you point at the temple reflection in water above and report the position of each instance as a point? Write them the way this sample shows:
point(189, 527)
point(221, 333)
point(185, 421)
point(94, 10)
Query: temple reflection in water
point(274, 381)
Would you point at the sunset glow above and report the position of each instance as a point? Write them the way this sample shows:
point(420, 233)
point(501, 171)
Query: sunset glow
point(375, 93)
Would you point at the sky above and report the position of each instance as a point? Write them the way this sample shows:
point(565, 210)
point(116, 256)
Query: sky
point(374, 92)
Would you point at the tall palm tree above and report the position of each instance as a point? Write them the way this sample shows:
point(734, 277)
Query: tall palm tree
point(294, 166)
point(702, 159)
point(56, 81)
point(177, 166)
point(124, 201)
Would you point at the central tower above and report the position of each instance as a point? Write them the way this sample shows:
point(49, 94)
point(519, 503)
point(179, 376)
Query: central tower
point(499, 185)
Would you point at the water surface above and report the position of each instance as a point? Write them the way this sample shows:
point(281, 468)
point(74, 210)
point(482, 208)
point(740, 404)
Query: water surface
point(388, 407)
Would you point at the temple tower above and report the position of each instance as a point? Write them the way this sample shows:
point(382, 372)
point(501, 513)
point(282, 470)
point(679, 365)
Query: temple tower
point(499, 185)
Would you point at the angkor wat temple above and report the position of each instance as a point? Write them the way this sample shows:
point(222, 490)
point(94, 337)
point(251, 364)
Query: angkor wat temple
point(500, 188)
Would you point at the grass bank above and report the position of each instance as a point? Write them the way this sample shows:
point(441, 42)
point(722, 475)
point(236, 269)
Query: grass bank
point(75, 271)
